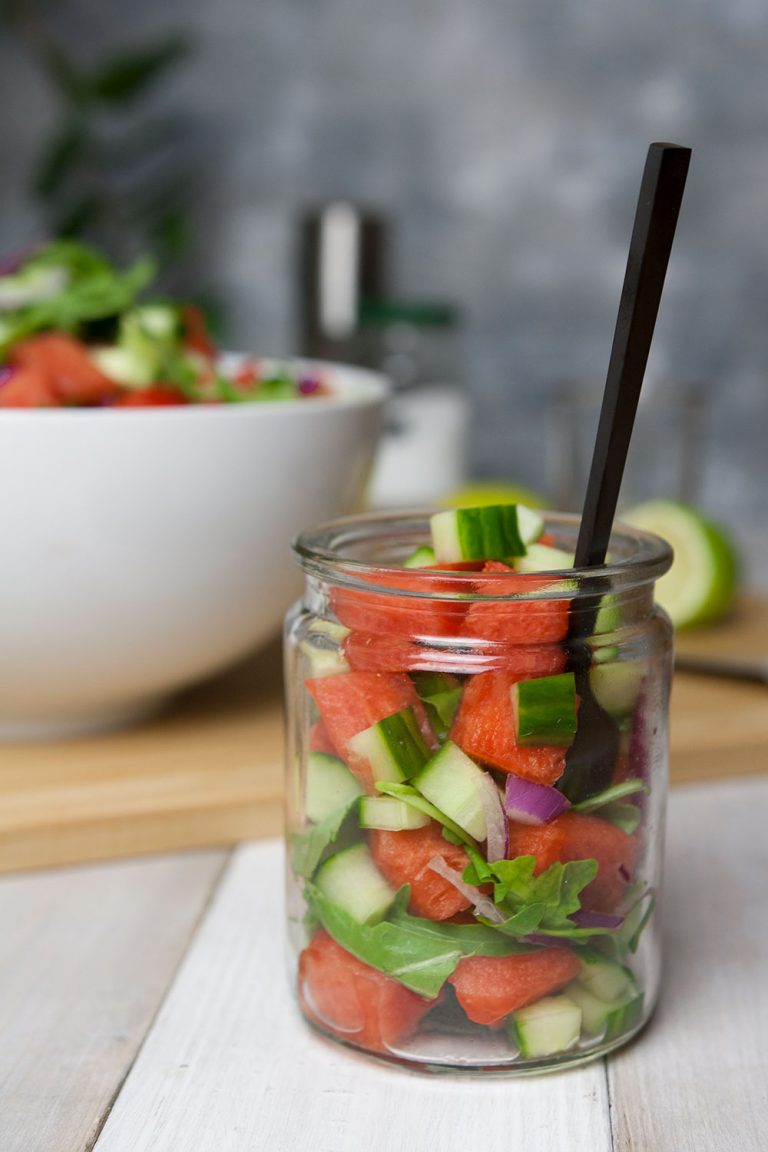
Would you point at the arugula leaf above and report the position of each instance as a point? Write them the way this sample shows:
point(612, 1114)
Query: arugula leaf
point(308, 848)
point(409, 795)
point(421, 954)
point(609, 795)
point(542, 903)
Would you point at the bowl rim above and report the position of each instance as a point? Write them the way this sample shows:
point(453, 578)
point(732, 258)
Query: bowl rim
point(359, 387)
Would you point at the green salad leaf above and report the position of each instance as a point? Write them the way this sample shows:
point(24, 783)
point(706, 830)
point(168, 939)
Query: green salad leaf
point(542, 903)
point(610, 795)
point(308, 848)
point(409, 795)
point(421, 954)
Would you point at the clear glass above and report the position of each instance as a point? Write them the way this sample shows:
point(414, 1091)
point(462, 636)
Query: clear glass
point(489, 926)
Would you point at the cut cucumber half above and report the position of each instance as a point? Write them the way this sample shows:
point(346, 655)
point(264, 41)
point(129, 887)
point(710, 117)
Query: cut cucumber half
point(394, 747)
point(390, 815)
point(322, 649)
point(543, 558)
point(488, 533)
point(352, 880)
point(701, 583)
point(454, 784)
point(330, 786)
point(624, 1017)
point(124, 365)
point(616, 686)
point(551, 1025)
point(421, 558)
point(544, 710)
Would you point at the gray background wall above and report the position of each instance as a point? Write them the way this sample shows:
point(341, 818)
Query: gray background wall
point(506, 141)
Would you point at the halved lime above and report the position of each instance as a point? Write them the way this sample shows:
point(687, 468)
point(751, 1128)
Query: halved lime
point(701, 583)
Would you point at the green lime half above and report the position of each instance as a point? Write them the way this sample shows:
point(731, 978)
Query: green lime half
point(701, 583)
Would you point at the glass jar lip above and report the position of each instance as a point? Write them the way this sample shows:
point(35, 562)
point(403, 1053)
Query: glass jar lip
point(637, 559)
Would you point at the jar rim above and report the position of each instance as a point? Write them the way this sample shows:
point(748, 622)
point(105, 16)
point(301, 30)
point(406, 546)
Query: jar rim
point(328, 551)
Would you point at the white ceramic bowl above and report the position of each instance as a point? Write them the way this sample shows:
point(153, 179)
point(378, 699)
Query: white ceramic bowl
point(143, 549)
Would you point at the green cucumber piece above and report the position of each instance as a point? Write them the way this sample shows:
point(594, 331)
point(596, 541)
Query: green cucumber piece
point(616, 686)
point(603, 978)
point(543, 558)
point(624, 1017)
point(322, 648)
point(545, 710)
point(408, 794)
point(488, 533)
point(329, 786)
point(551, 1025)
point(351, 879)
point(422, 558)
point(453, 783)
point(611, 1017)
point(389, 814)
point(123, 365)
point(441, 692)
point(394, 747)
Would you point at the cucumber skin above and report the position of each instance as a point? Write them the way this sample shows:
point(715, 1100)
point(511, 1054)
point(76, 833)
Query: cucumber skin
point(545, 710)
point(394, 746)
point(494, 532)
point(604, 978)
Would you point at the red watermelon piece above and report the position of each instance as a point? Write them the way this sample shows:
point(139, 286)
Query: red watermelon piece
point(404, 616)
point(578, 837)
point(354, 1001)
point(352, 701)
point(73, 376)
point(403, 858)
point(319, 740)
point(490, 987)
point(524, 622)
point(484, 728)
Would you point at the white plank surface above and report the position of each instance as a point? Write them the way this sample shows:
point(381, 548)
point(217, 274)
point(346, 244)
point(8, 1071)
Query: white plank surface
point(698, 1080)
point(86, 956)
point(230, 1066)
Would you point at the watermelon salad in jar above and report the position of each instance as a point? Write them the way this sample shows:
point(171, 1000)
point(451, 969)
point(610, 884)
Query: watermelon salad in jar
point(460, 894)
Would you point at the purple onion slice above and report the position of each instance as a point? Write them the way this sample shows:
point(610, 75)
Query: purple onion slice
point(531, 803)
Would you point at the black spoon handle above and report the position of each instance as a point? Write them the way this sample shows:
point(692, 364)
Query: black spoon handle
point(658, 207)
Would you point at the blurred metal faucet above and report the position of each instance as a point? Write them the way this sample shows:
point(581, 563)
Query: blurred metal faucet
point(343, 258)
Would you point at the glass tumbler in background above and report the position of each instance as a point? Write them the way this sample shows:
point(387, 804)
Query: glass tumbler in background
point(448, 906)
point(670, 430)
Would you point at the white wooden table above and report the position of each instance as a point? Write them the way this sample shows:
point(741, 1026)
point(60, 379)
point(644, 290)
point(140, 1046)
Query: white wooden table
point(144, 1007)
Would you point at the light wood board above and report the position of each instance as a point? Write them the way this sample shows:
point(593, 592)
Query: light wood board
point(228, 1065)
point(86, 957)
point(209, 770)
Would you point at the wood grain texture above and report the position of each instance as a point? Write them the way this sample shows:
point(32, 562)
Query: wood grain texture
point(230, 1067)
point(86, 956)
point(209, 770)
point(698, 1080)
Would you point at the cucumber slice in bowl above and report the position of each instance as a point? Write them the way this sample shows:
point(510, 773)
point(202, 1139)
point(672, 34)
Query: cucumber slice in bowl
point(552, 1024)
point(701, 583)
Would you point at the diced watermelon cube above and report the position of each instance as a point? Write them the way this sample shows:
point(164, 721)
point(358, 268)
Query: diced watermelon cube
point(403, 858)
point(490, 987)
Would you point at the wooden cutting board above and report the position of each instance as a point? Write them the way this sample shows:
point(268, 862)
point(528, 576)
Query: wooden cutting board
point(208, 771)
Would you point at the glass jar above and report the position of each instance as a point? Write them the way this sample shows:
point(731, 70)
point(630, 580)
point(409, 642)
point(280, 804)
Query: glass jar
point(476, 785)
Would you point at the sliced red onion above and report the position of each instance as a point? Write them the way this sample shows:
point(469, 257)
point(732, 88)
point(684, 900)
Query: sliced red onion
point(585, 919)
point(481, 905)
point(530, 803)
point(496, 823)
point(6, 372)
point(308, 385)
point(624, 874)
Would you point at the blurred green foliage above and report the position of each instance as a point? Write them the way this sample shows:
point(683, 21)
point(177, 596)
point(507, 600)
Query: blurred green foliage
point(116, 169)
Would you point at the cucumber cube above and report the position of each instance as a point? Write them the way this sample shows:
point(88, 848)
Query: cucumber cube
point(352, 880)
point(551, 1025)
point(604, 978)
point(394, 747)
point(488, 533)
point(545, 710)
point(389, 814)
point(454, 784)
point(330, 786)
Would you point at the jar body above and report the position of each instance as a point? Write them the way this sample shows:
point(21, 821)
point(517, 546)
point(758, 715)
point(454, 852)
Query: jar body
point(462, 893)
